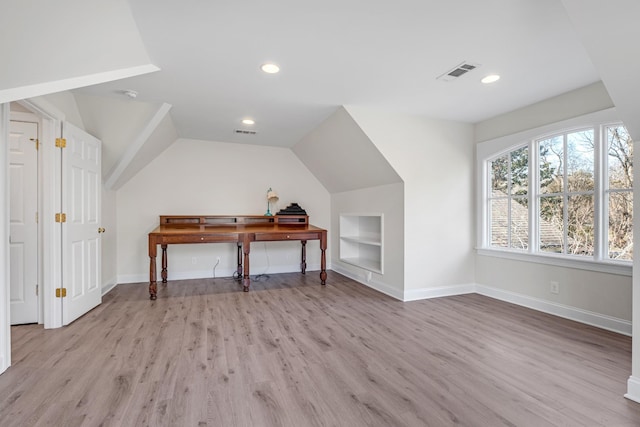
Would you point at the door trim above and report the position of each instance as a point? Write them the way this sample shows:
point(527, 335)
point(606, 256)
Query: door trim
point(5, 300)
point(50, 190)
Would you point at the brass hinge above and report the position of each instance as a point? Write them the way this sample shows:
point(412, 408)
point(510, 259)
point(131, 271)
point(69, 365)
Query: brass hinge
point(61, 292)
point(37, 218)
point(61, 142)
point(37, 141)
point(61, 217)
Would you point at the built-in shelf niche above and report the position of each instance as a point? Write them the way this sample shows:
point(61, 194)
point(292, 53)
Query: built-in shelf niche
point(361, 241)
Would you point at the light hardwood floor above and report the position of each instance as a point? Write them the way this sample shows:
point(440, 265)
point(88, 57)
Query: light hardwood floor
point(294, 353)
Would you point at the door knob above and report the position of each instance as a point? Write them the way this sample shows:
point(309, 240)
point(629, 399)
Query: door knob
point(101, 230)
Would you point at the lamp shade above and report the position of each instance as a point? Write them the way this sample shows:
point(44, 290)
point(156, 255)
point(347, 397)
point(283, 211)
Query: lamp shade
point(272, 196)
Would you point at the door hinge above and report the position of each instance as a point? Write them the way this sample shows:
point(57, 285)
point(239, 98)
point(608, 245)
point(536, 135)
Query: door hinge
point(37, 141)
point(61, 142)
point(36, 290)
point(61, 217)
point(61, 292)
point(37, 217)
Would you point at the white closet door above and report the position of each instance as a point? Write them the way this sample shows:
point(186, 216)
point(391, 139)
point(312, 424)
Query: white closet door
point(81, 252)
point(23, 183)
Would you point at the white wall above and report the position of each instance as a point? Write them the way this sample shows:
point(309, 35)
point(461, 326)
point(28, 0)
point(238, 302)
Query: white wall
point(206, 177)
point(435, 159)
point(604, 298)
point(389, 201)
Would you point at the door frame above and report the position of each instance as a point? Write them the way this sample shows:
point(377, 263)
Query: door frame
point(51, 243)
point(50, 203)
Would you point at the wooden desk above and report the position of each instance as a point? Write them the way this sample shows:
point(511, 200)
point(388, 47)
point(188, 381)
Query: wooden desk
point(241, 229)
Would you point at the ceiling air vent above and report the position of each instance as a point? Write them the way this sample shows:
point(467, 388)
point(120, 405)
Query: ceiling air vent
point(457, 71)
point(245, 132)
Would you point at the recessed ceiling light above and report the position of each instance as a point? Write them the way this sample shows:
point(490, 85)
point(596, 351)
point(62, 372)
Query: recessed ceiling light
point(270, 68)
point(248, 122)
point(490, 78)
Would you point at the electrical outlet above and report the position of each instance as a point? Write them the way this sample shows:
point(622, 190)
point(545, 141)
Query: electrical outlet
point(218, 260)
point(194, 260)
point(554, 287)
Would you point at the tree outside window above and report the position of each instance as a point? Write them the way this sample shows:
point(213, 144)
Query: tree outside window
point(582, 195)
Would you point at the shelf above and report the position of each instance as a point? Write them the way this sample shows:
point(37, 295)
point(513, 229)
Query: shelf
point(367, 264)
point(361, 241)
point(373, 241)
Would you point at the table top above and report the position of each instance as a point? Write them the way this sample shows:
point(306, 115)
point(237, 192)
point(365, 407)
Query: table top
point(183, 229)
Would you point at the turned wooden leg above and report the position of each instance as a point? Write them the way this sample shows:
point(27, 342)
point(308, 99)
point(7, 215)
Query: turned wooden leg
point(239, 269)
point(164, 263)
point(246, 281)
point(323, 258)
point(153, 286)
point(303, 262)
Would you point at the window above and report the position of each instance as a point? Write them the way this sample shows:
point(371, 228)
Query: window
point(619, 193)
point(573, 198)
point(566, 167)
point(508, 200)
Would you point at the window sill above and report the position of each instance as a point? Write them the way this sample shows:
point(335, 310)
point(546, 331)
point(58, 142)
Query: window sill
point(611, 267)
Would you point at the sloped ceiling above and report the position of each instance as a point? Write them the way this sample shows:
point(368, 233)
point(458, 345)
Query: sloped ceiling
point(51, 46)
point(342, 157)
point(610, 33)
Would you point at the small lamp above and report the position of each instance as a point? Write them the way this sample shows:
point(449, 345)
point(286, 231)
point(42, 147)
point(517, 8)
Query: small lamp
point(272, 197)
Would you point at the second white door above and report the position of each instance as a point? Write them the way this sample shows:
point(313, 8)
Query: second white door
point(23, 181)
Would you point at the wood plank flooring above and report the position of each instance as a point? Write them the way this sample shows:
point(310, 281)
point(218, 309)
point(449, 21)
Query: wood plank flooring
point(294, 353)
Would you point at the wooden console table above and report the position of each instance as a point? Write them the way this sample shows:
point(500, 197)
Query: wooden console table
point(241, 229)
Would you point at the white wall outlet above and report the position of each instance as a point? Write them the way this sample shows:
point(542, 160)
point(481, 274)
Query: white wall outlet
point(554, 287)
point(217, 260)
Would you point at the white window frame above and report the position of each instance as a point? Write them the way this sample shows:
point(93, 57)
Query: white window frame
point(492, 149)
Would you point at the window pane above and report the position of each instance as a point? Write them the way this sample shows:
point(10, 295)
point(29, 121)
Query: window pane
point(499, 223)
point(580, 225)
point(500, 174)
point(519, 223)
point(551, 225)
point(520, 171)
point(620, 225)
point(551, 165)
point(620, 148)
point(580, 165)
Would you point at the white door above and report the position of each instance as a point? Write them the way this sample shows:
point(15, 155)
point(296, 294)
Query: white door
point(81, 191)
point(23, 237)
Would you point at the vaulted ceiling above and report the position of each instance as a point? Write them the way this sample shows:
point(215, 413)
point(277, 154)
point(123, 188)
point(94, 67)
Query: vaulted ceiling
point(376, 54)
point(360, 52)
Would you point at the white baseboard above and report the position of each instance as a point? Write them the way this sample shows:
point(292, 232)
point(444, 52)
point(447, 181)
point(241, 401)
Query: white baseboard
point(442, 291)
point(109, 285)
point(633, 389)
point(579, 315)
point(373, 284)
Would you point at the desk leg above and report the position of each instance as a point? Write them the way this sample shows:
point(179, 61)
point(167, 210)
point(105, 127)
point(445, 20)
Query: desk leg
point(153, 285)
point(246, 281)
point(323, 258)
point(239, 269)
point(164, 263)
point(303, 262)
